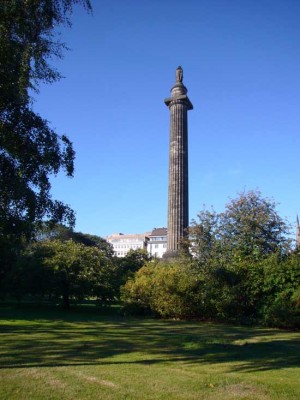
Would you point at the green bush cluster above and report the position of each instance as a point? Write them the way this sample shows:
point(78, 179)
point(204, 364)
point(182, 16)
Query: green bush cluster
point(162, 289)
point(242, 268)
point(266, 292)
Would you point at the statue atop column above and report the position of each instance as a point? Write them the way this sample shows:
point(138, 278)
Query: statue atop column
point(179, 74)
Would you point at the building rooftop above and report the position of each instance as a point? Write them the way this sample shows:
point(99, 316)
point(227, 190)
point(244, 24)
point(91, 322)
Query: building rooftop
point(128, 236)
point(159, 232)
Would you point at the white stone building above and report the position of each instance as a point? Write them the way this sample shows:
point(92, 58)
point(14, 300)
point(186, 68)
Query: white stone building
point(122, 243)
point(157, 243)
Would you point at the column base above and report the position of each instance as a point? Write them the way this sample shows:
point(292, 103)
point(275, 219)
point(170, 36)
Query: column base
point(169, 254)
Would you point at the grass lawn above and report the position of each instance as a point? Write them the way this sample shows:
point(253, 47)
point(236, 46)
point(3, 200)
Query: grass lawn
point(50, 354)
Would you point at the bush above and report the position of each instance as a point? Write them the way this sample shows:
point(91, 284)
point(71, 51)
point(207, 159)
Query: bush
point(245, 291)
point(162, 289)
point(281, 307)
point(282, 313)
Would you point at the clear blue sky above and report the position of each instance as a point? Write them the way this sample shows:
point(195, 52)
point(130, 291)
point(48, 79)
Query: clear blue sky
point(241, 63)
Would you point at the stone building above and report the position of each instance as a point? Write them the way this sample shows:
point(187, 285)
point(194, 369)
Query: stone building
point(122, 243)
point(157, 243)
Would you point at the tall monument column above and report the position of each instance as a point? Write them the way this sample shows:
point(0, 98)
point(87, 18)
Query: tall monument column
point(178, 196)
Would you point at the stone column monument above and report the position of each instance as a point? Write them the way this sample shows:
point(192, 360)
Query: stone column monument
point(178, 196)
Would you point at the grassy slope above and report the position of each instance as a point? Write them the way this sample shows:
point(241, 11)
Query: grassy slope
point(49, 354)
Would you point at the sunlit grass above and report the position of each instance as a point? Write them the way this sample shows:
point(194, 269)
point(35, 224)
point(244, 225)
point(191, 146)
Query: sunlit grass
point(50, 354)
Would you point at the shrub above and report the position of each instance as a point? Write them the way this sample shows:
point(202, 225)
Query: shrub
point(244, 291)
point(163, 289)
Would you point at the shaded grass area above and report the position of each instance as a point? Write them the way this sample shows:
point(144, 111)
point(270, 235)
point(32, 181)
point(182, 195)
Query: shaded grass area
point(85, 354)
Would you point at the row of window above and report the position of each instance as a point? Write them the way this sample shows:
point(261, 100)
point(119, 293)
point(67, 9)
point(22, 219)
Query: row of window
point(156, 246)
point(125, 240)
point(136, 246)
point(127, 246)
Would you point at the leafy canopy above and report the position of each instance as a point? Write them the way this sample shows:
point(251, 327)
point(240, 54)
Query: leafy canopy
point(249, 228)
point(30, 150)
point(64, 269)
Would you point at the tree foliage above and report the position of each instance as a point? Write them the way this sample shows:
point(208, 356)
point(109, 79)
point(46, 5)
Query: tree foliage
point(243, 269)
point(28, 40)
point(63, 233)
point(132, 262)
point(161, 289)
point(266, 292)
point(30, 150)
point(250, 227)
point(64, 269)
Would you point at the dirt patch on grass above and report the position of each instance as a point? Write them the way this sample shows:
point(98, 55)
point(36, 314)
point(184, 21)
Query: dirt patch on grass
point(243, 391)
point(99, 381)
point(94, 379)
point(45, 377)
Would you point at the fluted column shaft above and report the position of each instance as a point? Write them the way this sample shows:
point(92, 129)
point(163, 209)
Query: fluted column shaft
point(178, 215)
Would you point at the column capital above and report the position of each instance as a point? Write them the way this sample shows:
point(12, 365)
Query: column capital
point(180, 99)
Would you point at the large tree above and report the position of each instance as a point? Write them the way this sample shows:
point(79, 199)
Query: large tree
point(249, 228)
point(30, 151)
point(64, 233)
point(229, 251)
point(65, 269)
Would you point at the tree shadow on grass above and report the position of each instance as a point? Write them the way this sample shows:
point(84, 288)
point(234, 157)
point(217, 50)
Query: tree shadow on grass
point(49, 339)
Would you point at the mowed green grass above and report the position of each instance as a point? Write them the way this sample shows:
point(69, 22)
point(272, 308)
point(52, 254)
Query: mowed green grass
point(51, 354)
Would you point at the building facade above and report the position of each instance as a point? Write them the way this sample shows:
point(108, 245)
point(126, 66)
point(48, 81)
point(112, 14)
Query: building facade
point(123, 243)
point(157, 243)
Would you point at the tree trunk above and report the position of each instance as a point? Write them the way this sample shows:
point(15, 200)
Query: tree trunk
point(66, 301)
